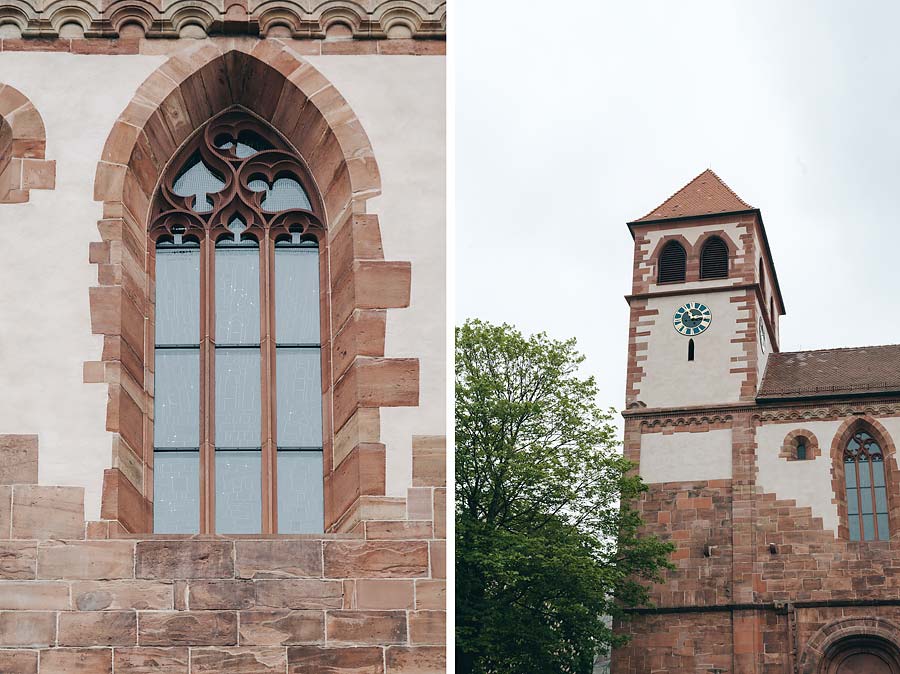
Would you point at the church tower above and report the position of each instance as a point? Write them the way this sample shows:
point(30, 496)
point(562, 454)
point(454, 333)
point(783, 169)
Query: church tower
point(704, 302)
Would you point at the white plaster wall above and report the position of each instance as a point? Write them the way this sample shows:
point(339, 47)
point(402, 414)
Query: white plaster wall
point(671, 380)
point(806, 482)
point(682, 457)
point(401, 103)
point(45, 331)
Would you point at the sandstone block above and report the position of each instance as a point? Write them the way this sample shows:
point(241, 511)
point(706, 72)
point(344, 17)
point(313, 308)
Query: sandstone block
point(398, 529)
point(376, 559)
point(429, 461)
point(438, 556)
point(98, 628)
point(428, 627)
point(384, 594)
point(86, 560)
point(238, 661)
point(366, 627)
point(431, 594)
point(32, 596)
point(18, 662)
point(440, 513)
point(76, 661)
point(18, 459)
point(27, 628)
point(299, 594)
point(116, 595)
point(151, 660)
point(184, 559)
point(42, 512)
point(278, 559)
point(18, 560)
point(416, 660)
point(5, 511)
point(221, 594)
point(274, 628)
point(317, 660)
point(189, 628)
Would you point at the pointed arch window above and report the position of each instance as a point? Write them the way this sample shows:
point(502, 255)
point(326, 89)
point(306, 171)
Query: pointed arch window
point(237, 427)
point(866, 488)
point(714, 259)
point(672, 263)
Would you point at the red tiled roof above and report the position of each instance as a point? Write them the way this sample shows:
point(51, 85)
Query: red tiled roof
point(706, 194)
point(852, 371)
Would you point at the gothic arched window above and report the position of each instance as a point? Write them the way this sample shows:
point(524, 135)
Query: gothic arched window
point(237, 426)
point(714, 259)
point(865, 483)
point(672, 263)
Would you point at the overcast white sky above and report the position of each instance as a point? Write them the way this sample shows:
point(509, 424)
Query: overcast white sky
point(573, 117)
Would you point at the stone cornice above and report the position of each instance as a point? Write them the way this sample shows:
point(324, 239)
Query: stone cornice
point(359, 19)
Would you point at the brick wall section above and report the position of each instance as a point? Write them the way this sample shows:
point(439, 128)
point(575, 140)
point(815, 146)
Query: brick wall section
point(73, 600)
point(749, 565)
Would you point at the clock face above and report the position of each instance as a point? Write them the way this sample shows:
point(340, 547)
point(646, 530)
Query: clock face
point(692, 318)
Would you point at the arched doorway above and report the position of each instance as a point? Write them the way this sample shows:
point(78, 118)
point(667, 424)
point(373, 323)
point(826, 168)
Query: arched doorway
point(861, 655)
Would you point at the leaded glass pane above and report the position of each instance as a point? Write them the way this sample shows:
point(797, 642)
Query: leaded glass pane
point(176, 405)
point(237, 295)
point(198, 181)
point(868, 527)
point(296, 295)
point(176, 492)
point(880, 500)
point(238, 492)
point(299, 396)
point(865, 501)
point(300, 498)
point(178, 296)
point(878, 470)
point(884, 532)
point(865, 479)
point(850, 473)
point(854, 528)
point(852, 502)
point(284, 194)
point(237, 398)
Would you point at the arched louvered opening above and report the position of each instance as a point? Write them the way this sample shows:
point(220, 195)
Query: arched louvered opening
point(714, 259)
point(691, 349)
point(672, 263)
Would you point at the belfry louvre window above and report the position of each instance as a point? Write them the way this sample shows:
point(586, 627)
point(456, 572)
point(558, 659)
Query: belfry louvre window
point(672, 263)
point(714, 259)
point(237, 427)
point(864, 477)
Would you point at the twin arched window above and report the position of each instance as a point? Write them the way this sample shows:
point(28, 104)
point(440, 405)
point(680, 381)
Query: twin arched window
point(866, 487)
point(713, 261)
point(237, 424)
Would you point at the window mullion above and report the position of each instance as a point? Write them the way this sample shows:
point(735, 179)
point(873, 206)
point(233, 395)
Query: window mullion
point(207, 386)
point(267, 370)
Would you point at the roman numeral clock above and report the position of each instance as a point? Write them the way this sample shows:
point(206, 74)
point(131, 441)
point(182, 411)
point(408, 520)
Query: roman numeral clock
point(692, 318)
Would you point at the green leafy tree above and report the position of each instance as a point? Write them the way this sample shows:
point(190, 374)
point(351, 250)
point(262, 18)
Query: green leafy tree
point(545, 553)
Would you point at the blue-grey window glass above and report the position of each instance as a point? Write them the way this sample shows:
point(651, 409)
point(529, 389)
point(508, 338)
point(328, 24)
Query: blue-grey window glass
point(284, 194)
point(300, 498)
point(237, 398)
point(198, 181)
point(299, 386)
point(176, 420)
point(248, 144)
point(176, 405)
point(176, 497)
point(238, 492)
point(237, 290)
point(178, 295)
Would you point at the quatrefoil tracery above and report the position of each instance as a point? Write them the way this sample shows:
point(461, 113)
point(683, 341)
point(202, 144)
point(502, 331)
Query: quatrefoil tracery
point(237, 169)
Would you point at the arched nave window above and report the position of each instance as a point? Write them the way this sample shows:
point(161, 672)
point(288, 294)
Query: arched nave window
point(864, 478)
point(237, 426)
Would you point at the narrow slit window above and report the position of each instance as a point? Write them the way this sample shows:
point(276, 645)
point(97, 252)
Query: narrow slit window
point(691, 349)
